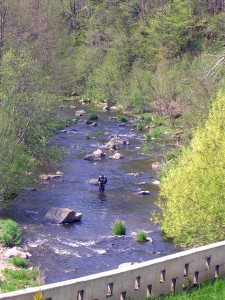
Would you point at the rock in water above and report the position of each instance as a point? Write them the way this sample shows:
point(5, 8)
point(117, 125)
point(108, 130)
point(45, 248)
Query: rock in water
point(62, 215)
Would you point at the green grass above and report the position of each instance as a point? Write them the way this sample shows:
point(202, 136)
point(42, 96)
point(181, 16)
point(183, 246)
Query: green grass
point(93, 117)
point(140, 127)
point(10, 234)
point(206, 291)
point(156, 132)
point(141, 237)
point(173, 154)
point(119, 228)
point(121, 118)
point(19, 262)
point(19, 279)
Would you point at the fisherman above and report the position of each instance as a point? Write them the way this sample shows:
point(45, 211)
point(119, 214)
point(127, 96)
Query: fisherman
point(102, 180)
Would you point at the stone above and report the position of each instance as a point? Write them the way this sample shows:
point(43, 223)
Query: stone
point(117, 155)
point(17, 252)
point(106, 108)
point(58, 174)
point(114, 108)
point(133, 174)
point(99, 153)
point(62, 215)
point(116, 140)
point(156, 166)
point(143, 193)
point(93, 181)
point(80, 113)
point(110, 146)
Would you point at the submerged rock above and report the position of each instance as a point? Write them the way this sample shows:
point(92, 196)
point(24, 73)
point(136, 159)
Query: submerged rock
point(62, 215)
point(93, 181)
point(143, 193)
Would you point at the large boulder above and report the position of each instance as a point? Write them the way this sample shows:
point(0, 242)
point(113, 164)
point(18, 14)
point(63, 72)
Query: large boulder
point(62, 215)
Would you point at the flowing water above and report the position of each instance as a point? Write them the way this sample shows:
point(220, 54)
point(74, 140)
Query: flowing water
point(64, 252)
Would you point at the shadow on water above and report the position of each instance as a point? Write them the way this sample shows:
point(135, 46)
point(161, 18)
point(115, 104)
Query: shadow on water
point(70, 251)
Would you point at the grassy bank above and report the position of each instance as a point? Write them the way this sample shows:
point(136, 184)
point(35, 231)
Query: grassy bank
point(214, 290)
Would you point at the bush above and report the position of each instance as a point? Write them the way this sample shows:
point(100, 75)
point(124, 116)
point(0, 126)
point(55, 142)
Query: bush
point(140, 127)
point(93, 117)
point(119, 228)
point(141, 237)
point(19, 262)
point(121, 118)
point(10, 234)
point(87, 137)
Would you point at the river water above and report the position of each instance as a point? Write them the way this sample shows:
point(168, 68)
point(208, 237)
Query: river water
point(65, 252)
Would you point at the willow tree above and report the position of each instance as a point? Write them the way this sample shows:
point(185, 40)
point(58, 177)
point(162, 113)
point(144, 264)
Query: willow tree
point(192, 198)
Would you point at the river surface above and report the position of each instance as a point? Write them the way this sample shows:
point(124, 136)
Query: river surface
point(65, 252)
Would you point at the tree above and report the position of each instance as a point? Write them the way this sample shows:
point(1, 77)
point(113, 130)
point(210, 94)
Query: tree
point(193, 189)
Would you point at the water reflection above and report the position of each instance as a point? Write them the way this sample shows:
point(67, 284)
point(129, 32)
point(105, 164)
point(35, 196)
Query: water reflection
point(102, 196)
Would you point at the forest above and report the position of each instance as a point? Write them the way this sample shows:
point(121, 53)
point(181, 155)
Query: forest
point(161, 56)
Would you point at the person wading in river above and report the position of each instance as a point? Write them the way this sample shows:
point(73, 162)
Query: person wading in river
point(102, 180)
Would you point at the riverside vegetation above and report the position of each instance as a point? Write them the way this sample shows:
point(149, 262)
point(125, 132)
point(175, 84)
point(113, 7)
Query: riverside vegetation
point(162, 60)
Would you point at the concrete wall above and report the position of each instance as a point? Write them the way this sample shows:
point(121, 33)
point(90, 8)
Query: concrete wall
point(156, 277)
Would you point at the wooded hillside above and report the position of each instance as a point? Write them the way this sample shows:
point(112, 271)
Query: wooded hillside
point(148, 55)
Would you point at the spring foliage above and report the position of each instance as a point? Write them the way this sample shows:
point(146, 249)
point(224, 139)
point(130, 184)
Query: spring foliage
point(193, 189)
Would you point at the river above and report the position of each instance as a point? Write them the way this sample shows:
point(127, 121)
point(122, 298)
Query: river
point(65, 252)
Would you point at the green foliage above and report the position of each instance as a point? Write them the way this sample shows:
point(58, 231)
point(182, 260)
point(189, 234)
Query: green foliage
point(93, 117)
point(140, 127)
point(119, 228)
point(19, 279)
point(87, 137)
point(156, 132)
point(10, 234)
point(38, 296)
point(121, 118)
point(19, 262)
point(208, 290)
point(193, 188)
point(173, 154)
point(141, 237)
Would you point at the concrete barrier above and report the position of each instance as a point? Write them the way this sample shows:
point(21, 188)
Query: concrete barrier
point(155, 277)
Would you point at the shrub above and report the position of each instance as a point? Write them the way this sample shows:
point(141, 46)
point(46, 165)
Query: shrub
point(119, 228)
point(93, 117)
point(10, 234)
point(141, 237)
point(140, 127)
point(121, 118)
point(38, 296)
point(87, 137)
point(19, 262)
